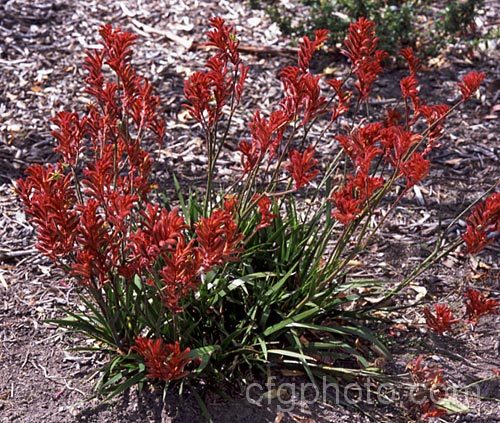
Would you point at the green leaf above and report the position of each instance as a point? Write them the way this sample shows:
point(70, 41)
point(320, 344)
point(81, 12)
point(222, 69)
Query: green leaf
point(452, 405)
point(291, 320)
point(291, 354)
point(131, 381)
point(203, 354)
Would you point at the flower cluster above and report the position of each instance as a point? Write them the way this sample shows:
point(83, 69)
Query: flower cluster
point(441, 320)
point(432, 387)
point(208, 92)
point(163, 361)
point(483, 224)
point(477, 305)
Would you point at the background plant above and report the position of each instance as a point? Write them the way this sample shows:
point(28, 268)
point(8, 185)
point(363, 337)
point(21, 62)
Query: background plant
point(400, 23)
point(232, 280)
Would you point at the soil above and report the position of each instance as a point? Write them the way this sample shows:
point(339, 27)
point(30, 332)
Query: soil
point(41, 50)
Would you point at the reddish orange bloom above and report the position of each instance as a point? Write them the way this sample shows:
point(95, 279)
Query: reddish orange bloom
point(343, 98)
point(409, 89)
point(441, 320)
point(69, 136)
point(359, 145)
point(266, 137)
point(180, 275)
point(432, 387)
point(470, 83)
point(350, 199)
point(477, 305)
point(266, 217)
point(435, 116)
point(218, 239)
point(308, 47)
point(301, 166)
point(483, 224)
point(49, 200)
point(225, 39)
point(411, 59)
point(163, 361)
point(360, 46)
point(415, 169)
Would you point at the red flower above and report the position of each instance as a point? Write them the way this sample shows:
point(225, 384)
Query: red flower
point(359, 145)
point(483, 224)
point(218, 239)
point(411, 59)
point(158, 235)
point(266, 217)
point(49, 200)
point(163, 361)
point(477, 305)
point(301, 166)
point(97, 247)
point(435, 116)
point(350, 200)
point(361, 41)
point(441, 320)
point(409, 89)
point(224, 38)
point(180, 275)
point(415, 169)
point(343, 98)
point(397, 142)
point(303, 95)
point(69, 136)
point(360, 47)
point(308, 47)
point(431, 387)
point(470, 83)
point(266, 137)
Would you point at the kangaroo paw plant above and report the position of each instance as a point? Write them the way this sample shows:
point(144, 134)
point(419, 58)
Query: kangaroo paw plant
point(222, 283)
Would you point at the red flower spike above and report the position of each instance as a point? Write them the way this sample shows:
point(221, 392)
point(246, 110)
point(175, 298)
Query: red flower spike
point(224, 38)
point(477, 305)
point(441, 320)
point(250, 155)
point(415, 169)
point(49, 200)
point(180, 275)
point(303, 95)
point(350, 199)
point(163, 361)
point(470, 83)
point(409, 89)
point(159, 232)
point(98, 250)
point(396, 142)
point(483, 224)
point(411, 59)
point(69, 136)
point(343, 98)
point(359, 145)
point(431, 384)
point(230, 203)
point(361, 41)
point(218, 239)
point(360, 47)
point(435, 117)
point(308, 47)
point(301, 166)
point(266, 217)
